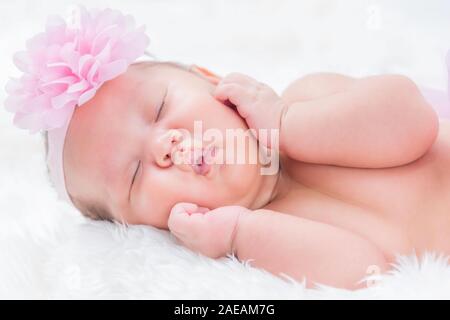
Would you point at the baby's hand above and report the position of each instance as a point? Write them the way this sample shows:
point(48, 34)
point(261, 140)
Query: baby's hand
point(209, 232)
point(256, 102)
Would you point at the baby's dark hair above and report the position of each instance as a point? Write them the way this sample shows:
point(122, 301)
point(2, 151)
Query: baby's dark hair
point(89, 208)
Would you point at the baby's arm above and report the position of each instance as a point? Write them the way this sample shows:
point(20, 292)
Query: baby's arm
point(322, 253)
point(377, 121)
point(316, 85)
point(278, 242)
point(373, 122)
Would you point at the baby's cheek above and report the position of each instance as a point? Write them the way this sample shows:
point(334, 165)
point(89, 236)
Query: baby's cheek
point(148, 207)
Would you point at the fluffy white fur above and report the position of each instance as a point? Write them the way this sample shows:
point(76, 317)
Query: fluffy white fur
point(48, 251)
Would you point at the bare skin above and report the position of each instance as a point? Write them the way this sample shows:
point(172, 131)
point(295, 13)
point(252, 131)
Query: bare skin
point(366, 180)
point(389, 208)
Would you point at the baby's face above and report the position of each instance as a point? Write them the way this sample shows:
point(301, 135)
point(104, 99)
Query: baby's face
point(119, 152)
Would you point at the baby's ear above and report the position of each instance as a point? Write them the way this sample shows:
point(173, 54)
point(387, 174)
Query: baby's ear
point(206, 74)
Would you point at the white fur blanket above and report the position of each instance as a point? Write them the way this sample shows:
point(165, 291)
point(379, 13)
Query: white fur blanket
point(48, 251)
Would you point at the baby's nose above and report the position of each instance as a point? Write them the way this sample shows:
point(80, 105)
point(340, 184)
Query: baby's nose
point(166, 147)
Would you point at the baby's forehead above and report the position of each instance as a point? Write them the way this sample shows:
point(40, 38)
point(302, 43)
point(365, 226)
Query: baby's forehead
point(154, 69)
point(140, 79)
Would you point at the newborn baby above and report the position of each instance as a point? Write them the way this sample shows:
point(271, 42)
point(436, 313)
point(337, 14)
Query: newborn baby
point(348, 172)
point(363, 171)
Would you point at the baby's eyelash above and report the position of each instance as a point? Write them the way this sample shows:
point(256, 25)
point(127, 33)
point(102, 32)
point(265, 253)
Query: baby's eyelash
point(135, 174)
point(162, 106)
point(159, 110)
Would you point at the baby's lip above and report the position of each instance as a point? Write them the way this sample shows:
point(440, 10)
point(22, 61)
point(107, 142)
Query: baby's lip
point(201, 162)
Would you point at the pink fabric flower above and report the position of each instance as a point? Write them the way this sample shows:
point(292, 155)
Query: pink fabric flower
point(64, 66)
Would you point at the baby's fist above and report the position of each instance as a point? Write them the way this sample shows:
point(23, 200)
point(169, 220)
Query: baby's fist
point(209, 232)
point(256, 102)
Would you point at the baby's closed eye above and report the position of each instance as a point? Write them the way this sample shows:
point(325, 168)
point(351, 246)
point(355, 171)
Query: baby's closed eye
point(161, 107)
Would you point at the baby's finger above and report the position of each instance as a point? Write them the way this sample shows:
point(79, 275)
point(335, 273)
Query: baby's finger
point(224, 91)
point(238, 78)
point(179, 218)
point(236, 94)
point(185, 218)
point(184, 207)
point(202, 209)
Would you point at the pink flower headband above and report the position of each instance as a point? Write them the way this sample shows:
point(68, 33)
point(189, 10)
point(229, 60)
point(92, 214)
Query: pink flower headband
point(63, 68)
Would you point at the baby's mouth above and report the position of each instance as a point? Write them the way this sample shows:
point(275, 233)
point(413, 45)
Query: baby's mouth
point(202, 160)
